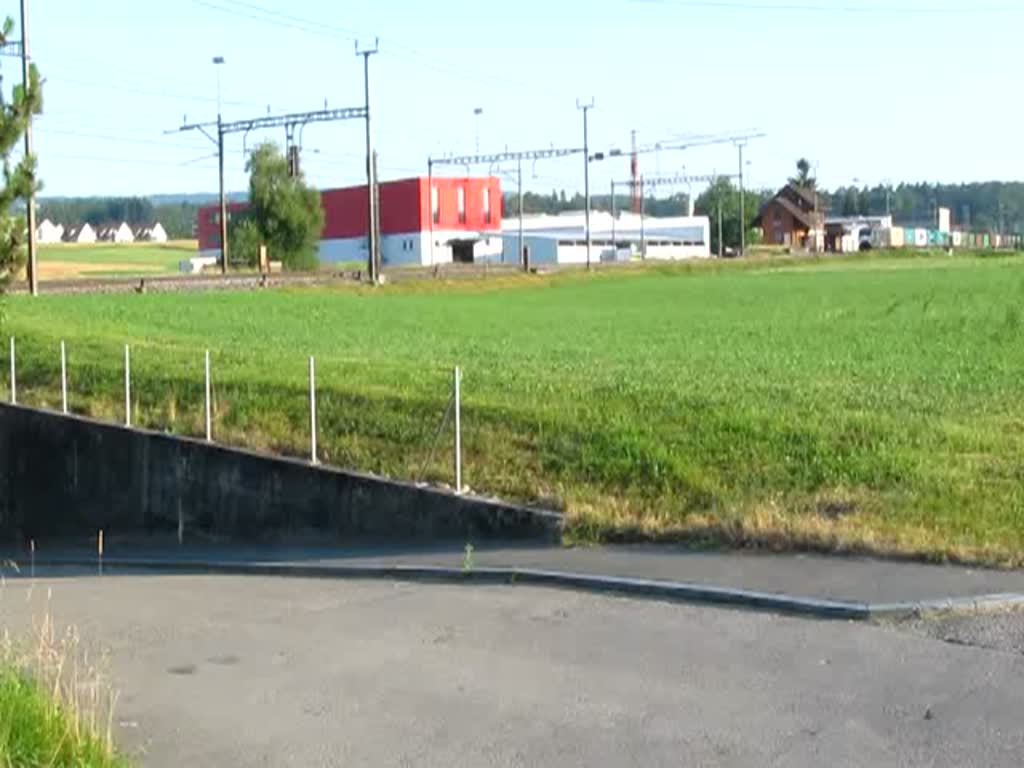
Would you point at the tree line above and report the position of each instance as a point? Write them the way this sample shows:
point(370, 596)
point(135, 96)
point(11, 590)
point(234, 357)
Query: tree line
point(993, 206)
point(981, 207)
point(177, 218)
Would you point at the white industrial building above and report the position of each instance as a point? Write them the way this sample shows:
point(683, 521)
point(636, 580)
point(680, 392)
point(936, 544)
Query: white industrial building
point(562, 238)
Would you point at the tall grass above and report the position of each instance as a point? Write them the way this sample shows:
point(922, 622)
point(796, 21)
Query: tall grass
point(56, 705)
point(871, 403)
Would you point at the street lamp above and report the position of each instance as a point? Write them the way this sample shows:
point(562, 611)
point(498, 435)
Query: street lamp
point(476, 114)
point(218, 61)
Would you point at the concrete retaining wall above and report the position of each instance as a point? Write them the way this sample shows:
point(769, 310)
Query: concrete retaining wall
point(67, 476)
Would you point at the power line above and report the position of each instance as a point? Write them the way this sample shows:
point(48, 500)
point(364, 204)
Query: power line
point(120, 139)
point(746, 5)
point(391, 47)
point(148, 92)
point(295, 23)
point(100, 159)
point(289, 17)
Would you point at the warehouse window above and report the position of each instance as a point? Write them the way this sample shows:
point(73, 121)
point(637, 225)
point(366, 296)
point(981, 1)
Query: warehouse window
point(487, 205)
point(435, 204)
point(462, 205)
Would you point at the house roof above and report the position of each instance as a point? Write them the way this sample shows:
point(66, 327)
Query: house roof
point(807, 218)
point(808, 194)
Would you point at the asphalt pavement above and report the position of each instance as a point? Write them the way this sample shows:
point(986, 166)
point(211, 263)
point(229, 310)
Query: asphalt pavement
point(251, 671)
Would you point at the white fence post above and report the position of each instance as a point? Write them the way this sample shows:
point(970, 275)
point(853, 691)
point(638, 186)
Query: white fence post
point(312, 410)
point(209, 421)
point(127, 387)
point(14, 378)
point(63, 377)
point(457, 411)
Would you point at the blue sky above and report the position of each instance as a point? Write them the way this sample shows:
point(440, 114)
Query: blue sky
point(907, 94)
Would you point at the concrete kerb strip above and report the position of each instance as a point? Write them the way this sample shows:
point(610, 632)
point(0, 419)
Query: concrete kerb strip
point(630, 587)
point(971, 605)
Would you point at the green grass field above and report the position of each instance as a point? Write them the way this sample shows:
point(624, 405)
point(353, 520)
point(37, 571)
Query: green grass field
point(861, 404)
point(64, 260)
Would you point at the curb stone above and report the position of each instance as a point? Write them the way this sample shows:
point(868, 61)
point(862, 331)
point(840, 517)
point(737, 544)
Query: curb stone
point(651, 589)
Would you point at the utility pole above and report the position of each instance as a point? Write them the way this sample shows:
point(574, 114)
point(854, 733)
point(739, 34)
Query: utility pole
point(372, 246)
point(477, 111)
point(615, 247)
point(643, 232)
point(743, 217)
point(523, 257)
point(376, 219)
point(430, 187)
point(586, 169)
point(720, 251)
point(634, 174)
point(218, 62)
point(223, 199)
point(32, 270)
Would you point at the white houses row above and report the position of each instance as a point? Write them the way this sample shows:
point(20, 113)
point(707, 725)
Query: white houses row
point(48, 232)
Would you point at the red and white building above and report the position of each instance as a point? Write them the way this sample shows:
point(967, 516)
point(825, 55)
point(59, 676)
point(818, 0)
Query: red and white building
point(423, 221)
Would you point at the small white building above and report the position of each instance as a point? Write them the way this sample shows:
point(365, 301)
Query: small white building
point(562, 239)
point(80, 233)
point(48, 232)
point(151, 234)
point(116, 233)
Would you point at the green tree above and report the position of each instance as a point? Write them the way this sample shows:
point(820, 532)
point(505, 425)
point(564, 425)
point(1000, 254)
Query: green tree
point(19, 180)
point(286, 212)
point(244, 240)
point(803, 176)
point(723, 195)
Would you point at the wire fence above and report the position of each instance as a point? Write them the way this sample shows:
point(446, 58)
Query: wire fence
point(157, 394)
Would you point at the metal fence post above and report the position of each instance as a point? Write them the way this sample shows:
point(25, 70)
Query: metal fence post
point(14, 378)
point(63, 377)
point(457, 411)
point(209, 421)
point(127, 387)
point(312, 410)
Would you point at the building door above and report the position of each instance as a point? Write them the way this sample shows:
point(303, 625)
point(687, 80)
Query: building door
point(462, 251)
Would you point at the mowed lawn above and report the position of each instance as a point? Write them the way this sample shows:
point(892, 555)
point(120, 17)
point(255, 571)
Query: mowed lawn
point(864, 404)
point(70, 260)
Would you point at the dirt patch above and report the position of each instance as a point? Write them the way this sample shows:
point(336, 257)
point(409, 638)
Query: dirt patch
point(62, 270)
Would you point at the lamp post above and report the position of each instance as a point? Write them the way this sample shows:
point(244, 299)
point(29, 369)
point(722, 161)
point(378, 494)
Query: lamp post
point(218, 62)
point(477, 111)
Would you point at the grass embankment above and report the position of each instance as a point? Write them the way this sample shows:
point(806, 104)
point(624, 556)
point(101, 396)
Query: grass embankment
point(846, 404)
point(71, 260)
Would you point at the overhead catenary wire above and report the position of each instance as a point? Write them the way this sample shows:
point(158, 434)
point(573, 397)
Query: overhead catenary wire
point(259, 13)
point(297, 24)
point(122, 160)
point(43, 130)
point(142, 91)
point(901, 10)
